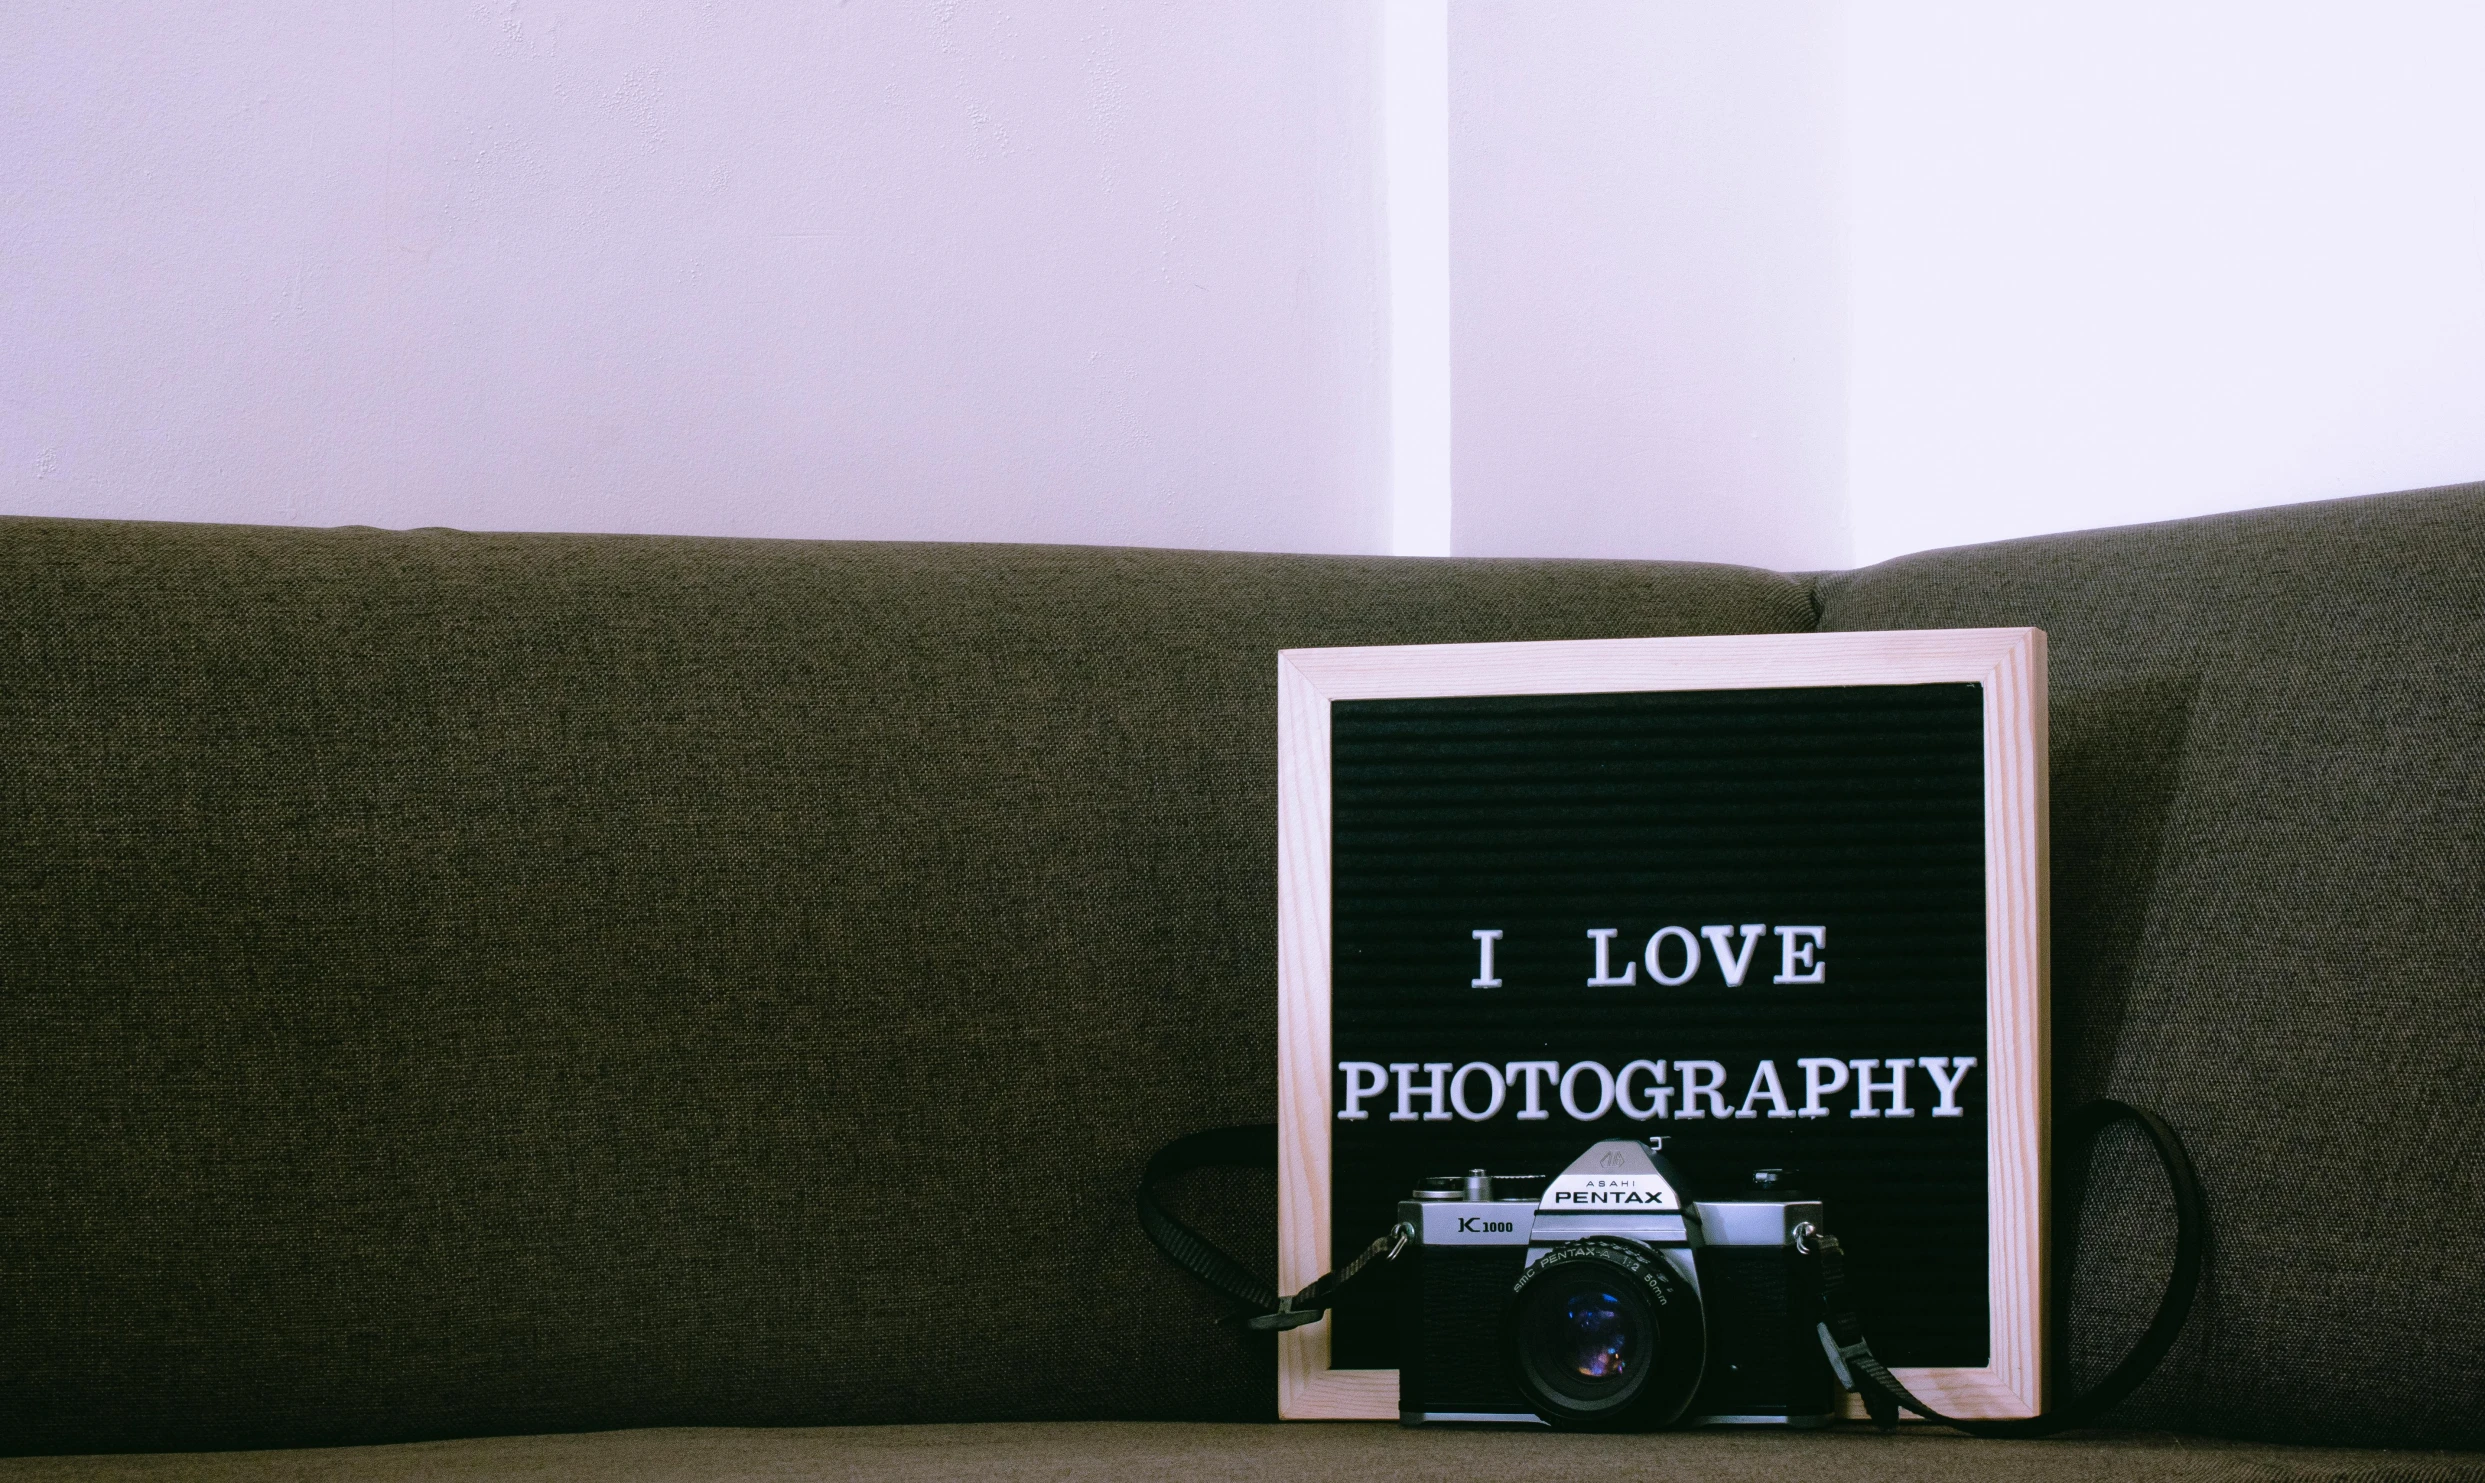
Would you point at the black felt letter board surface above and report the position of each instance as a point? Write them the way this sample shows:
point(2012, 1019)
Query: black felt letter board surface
point(1824, 845)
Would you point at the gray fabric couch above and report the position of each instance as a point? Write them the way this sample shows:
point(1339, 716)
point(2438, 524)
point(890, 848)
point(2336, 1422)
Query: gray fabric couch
point(561, 1006)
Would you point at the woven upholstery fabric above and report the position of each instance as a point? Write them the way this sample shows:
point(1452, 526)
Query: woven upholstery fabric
point(1355, 1452)
point(2268, 838)
point(466, 984)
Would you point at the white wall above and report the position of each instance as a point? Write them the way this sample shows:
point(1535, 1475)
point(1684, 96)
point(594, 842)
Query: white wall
point(1647, 321)
point(1807, 284)
point(1100, 271)
point(1798, 284)
point(1415, 106)
point(2127, 260)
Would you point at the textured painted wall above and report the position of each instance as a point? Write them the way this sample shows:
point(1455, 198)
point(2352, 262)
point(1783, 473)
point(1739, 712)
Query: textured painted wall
point(1646, 325)
point(1102, 271)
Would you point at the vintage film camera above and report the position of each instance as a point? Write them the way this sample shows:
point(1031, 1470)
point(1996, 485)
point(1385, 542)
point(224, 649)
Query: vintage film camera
point(1608, 1301)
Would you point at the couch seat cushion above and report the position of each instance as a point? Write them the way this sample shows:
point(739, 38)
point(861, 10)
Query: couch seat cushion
point(1059, 1451)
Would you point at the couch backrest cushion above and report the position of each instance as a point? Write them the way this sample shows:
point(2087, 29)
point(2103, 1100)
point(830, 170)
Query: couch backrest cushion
point(2268, 843)
point(460, 984)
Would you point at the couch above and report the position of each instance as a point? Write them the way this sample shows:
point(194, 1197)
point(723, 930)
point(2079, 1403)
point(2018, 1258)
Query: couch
point(551, 1006)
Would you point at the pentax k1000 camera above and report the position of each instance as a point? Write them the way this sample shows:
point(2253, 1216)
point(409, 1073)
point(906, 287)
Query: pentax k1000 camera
point(1605, 1300)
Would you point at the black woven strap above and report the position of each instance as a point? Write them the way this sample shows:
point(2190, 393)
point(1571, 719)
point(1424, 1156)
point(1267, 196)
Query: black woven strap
point(1842, 1335)
point(1251, 1147)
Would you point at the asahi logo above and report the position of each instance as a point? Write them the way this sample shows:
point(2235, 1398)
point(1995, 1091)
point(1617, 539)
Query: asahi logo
point(1616, 1192)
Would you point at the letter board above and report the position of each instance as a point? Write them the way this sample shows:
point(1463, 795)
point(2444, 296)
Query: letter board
point(1778, 899)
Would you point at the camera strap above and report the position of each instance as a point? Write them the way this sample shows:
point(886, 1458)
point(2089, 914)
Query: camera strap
point(1851, 1356)
point(1841, 1333)
point(1250, 1147)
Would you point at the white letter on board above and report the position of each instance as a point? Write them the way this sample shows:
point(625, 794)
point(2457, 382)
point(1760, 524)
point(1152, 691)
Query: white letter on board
point(1765, 1084)
point(1730, 963)
point(1800, 955)
point(1484, 940)
point(1691, 956)
point(1817, 1086)
point(1896, 1086)
point(1603, 977)
point(1695, 1086)
point(1438, 1092)
point(1356, 1090)
point(1947, 1086)
point(1531, 1096)
point(1660, 1096)
point(1458, 1090)
point(1604, 1091)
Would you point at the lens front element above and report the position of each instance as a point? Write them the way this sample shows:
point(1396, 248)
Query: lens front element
point(1603, 1334)
point(1600, 1340)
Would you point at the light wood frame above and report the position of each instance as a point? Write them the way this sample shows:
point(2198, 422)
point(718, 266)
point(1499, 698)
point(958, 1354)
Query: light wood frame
point(2008, 662)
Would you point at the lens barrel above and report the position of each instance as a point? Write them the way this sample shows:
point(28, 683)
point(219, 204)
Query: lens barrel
point(1602, 1334)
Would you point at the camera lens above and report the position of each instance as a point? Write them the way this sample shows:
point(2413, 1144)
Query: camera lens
point(1599, 1340)
point(1603, 1333)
